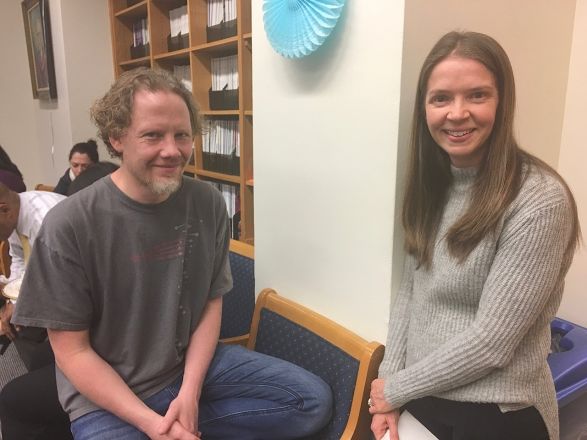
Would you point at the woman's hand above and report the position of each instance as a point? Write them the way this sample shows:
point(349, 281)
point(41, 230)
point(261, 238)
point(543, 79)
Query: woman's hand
point(381, 423)
point(377, 402)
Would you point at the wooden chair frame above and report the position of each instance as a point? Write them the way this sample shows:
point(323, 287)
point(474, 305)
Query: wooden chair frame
point(43, 187)
point(246, 250)
point(369, 354)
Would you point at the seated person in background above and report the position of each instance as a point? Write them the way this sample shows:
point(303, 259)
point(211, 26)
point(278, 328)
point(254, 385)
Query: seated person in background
point(10, 175)
point(92, 174)
point(21, 216)
point(81, 156)
point(31, 399)
point(128, 277)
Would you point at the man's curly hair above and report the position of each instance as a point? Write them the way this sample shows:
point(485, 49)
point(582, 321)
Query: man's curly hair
point(112, 113)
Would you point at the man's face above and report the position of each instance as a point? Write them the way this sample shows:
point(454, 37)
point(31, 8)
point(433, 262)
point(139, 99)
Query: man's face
point(155, 147)
point(8, 220)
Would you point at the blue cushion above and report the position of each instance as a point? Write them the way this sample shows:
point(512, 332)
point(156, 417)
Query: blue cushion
point(238, 305)
point(278, 336)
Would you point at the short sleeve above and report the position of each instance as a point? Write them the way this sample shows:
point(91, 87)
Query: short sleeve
point(55, 291)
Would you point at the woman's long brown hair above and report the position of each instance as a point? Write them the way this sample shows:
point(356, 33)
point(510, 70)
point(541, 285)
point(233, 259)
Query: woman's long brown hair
point(499, 177)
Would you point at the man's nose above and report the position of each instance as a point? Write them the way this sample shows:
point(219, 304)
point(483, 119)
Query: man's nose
point(170, 147)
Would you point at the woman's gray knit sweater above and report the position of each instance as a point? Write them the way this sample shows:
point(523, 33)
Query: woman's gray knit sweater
point(479, 331)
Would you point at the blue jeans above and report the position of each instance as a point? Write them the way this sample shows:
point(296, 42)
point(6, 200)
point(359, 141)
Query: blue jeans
point(246, 395)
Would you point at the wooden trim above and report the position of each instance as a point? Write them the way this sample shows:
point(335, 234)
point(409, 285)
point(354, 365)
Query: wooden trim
point(236, 340)
point(43, 187)
point(369, 354)
point(241, 248)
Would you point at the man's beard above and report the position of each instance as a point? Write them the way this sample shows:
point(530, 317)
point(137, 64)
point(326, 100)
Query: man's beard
point(164, 187)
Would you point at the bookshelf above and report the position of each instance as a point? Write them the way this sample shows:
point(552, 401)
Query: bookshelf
point(194, 52)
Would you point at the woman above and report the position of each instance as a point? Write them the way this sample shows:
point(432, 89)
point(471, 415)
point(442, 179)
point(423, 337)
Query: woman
point(490, 234)
point(10, 175)
point(81, 156)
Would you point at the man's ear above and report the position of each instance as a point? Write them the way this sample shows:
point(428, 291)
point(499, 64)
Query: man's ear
point(116, 144)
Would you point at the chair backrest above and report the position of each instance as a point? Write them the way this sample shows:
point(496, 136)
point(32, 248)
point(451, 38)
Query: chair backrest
point(5, 259)
point(43, 187)
point(238, 304)
point(347, 362)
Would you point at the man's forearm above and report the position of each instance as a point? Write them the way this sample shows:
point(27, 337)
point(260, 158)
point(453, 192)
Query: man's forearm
point(201, 349)
point(98, 381)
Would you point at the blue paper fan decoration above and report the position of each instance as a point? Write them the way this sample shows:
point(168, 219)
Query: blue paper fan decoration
point(296, 28)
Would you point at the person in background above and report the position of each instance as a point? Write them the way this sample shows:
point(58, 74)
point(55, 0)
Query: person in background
point(42, 415)
point(81, 155)
point(92, 174)
point(21, 216)
point(490, 232)
point(128, 277)
point(10, 175)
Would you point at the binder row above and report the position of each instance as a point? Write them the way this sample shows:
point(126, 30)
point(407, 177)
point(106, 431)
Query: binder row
point(221, 11)
point(224, 73)
point(232, 198)
point(221, 146)
point(178, 21)
point(140, 33)
point(183, 73)
point(222, 137)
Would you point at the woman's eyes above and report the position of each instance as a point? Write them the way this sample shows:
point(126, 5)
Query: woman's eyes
point(477, 96)
point(439, 99)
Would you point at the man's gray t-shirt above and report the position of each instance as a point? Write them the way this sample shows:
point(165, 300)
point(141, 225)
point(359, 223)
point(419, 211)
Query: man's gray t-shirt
point(136, 276)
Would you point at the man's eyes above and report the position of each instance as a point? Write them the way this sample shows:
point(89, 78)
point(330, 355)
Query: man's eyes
point(152, 135)
point(156, 135)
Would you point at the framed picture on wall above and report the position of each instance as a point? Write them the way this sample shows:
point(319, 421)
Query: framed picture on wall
point(37, 28)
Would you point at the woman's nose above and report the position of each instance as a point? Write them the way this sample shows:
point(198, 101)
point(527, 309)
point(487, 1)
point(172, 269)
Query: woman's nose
point(458, 110)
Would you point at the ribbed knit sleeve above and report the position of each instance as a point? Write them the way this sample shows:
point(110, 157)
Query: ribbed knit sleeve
point(523, 271)
point(399, 318)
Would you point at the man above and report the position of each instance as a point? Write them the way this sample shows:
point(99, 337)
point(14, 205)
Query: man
point(21, 216)
point(133, 270)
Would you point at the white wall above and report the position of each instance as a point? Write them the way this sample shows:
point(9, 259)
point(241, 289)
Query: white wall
point(325, 139)
point(18, 129)
point(38, 134)
point(572, 162)
point(537, 37)
point(326, 156)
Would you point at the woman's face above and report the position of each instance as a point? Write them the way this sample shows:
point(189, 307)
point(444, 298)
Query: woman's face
point(461, 102)
point(79, 162)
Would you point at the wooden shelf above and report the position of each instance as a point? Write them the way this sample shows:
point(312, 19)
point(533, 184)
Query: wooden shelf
point(182, 54)
point(136, 62)
point(198, 56)
point(218, 176)
point(219, 112)
point(134, 11)
point(226, 45)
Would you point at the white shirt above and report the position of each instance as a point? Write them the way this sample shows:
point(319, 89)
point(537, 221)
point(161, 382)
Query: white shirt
point(34, 205)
